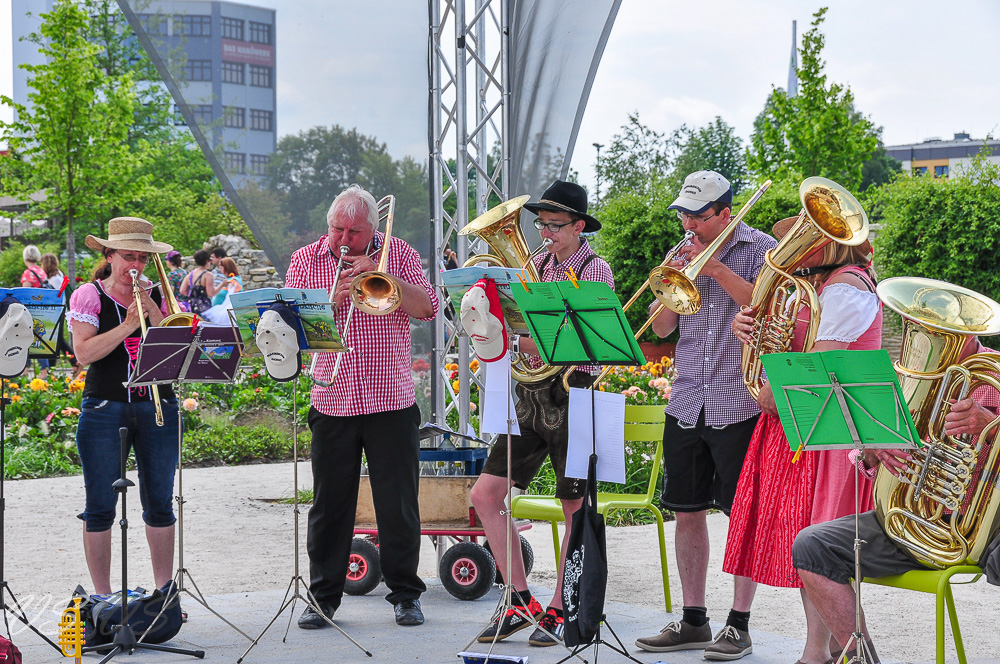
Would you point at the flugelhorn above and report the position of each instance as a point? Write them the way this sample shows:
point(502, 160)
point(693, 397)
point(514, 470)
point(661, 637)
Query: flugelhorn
point(829, 214)
point(669, 279)
point(675, 288)
point(137, 293)
point(500, 228)
point(944, 507)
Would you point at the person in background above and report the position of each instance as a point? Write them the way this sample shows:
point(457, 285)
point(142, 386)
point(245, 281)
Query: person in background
point(33, 276)
point(450, 258)
point(218, 274)
point(219, 313)
point(199, 286)
point(50, 263)
point(177, 273)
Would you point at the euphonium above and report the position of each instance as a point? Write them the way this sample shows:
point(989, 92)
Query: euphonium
point(137, 293)
point(500, 228)
point(943, 508)
point(829, 214)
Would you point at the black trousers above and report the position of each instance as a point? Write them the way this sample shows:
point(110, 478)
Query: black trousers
point(390, 444)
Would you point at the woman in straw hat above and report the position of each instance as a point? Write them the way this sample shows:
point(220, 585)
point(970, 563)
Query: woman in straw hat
point(776, 498)
point(104, 320)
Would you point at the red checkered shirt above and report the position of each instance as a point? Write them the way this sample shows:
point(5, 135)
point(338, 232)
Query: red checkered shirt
point(374, 376)
point(596, 270)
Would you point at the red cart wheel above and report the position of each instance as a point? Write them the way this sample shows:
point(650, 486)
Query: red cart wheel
point(467, 571)
point(364, 569)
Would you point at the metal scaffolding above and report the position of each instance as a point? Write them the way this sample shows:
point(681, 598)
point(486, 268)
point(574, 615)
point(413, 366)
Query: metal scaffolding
point(468, 41)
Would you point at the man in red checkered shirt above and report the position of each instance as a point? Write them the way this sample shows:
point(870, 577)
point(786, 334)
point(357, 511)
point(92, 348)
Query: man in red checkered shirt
point(369, 408)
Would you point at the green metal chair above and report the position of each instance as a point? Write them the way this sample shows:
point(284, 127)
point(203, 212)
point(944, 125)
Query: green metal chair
point(642, 424)
point(937, 583)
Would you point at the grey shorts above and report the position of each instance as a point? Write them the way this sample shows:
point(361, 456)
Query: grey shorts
point(827, 549)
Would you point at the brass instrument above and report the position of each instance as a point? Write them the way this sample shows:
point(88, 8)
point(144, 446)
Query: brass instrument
point(829, 214)
point(137, 293)
point(175, 317)
point(920, 509)
point(663, 275)
point(500, 228)
point(675, 288)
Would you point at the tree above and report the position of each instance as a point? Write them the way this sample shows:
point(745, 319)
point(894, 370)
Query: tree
point(879, 169)
point(816, 132)
point(635, 159)
point(73, 141)
point(714, 147)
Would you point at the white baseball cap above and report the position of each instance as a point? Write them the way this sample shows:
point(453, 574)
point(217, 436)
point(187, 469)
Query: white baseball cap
point(16, 337)
point(278, 340)
point(700, 190)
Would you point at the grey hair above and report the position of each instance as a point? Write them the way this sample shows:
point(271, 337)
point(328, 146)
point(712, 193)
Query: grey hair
point(352, 202)
point(31, 253)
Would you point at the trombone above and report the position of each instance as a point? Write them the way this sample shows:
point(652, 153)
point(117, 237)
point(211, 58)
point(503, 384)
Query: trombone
point(137, 292)
point(675, 288)
point(375, 292)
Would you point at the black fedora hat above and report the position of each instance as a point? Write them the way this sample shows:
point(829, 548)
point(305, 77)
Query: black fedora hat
point(566, 197)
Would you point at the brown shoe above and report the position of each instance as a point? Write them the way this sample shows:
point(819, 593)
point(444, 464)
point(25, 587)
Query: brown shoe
point(731, 643)
point(677, 636)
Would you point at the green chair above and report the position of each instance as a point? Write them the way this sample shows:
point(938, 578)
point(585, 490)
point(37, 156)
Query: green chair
point(937, 583)
point(642, 424)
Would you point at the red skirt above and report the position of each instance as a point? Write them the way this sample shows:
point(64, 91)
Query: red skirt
point(774, 501)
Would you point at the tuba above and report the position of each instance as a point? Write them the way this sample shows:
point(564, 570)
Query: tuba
point(942, 510)
point(829, 214)
point(500, 228)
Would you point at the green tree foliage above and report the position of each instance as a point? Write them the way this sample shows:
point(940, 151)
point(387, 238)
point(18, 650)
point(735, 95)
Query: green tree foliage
point(942, 228)
point(634, 161)
point(714, 147)
point(879, 169)
point(73, 140)
point(816, 132)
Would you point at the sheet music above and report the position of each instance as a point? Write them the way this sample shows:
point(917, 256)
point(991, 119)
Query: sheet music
point(498, 399)
point(607, 427)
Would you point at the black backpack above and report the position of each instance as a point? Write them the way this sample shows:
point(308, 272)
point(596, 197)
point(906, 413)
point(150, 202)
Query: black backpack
point(101, 614)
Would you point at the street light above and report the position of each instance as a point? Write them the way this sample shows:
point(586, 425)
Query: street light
point(598, 146)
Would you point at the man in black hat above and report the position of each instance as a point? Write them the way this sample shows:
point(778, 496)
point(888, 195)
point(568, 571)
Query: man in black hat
point(542, 411)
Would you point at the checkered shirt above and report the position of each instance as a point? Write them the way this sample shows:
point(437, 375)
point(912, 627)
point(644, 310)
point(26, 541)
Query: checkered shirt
point(597, 270)
point(374, 376)
point(709, 372)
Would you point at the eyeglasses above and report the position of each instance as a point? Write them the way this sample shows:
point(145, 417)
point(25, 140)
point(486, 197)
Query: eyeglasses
point(552, 228)
point(681, 216)
point(135, 258)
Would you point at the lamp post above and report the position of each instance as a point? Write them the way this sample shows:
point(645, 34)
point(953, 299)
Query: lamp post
point(598, 146)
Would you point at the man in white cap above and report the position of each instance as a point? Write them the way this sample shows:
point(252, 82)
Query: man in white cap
point(711, 415)
point(368, 408)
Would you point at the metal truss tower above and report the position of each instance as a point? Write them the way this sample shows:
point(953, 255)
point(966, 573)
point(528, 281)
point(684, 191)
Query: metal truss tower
point(468, 125)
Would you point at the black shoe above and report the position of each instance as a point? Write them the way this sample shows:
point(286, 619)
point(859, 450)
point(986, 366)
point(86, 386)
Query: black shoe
point(408, 613)
point(551, 625)
point(311, 619)
point(512, 621)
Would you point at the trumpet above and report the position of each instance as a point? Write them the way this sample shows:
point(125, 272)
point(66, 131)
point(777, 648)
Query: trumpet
point(675, 288)
point(333, 291)
point(137, 292)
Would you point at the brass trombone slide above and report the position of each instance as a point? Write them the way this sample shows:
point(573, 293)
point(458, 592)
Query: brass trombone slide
point(137, 292)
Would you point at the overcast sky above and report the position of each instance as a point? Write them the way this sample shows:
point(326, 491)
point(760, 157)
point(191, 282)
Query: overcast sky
point(919, 68)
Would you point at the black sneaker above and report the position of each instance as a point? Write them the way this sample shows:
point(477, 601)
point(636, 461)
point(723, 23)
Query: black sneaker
point(551, 625)
point(512, 621)
point(312, 619)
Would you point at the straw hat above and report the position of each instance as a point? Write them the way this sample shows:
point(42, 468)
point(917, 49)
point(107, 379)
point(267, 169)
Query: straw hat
point(129, 234)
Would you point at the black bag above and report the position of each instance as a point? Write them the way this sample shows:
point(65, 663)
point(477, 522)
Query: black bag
point(9, 654)
point(101, 614)
point(198, 299)
point(585, 577)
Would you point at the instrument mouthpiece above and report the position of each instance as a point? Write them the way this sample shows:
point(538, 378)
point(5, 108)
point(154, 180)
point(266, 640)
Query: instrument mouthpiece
point(133, 273)
point(547, 242)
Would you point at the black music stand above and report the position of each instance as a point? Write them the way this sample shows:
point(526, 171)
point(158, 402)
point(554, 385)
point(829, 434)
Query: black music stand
point(124, 639)
point(842, 395)
point(181, 354)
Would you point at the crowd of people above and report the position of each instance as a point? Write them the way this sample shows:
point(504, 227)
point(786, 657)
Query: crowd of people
point(724, 448)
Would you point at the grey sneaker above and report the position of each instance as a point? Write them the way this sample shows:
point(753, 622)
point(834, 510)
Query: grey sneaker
point(677, 636)
point(730, 643)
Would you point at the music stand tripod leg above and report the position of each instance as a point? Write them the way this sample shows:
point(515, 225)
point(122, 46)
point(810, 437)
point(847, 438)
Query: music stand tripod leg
point(293, 585)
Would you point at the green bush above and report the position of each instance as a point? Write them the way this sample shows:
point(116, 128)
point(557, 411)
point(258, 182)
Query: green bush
point(942, 228)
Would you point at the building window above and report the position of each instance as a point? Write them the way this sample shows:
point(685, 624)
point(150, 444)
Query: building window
point(232, 72)
point(261, 120)
point(202, 114)
point(154, 24)
point(235, 117)
point(260, 33)
point(260, 77)
point(198, 70)
point(940, 171)
point(920, 170)
point(258, 164)
point(232, 28)
point(193, 26)
point(235, 162)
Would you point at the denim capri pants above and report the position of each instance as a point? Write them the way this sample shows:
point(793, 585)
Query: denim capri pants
point(99, 445)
